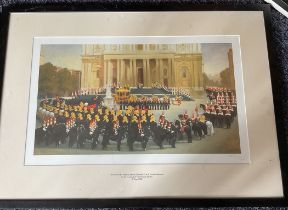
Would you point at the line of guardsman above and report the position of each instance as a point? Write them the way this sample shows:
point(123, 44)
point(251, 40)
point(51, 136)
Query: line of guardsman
point(87, 122)
point(152, 103)
point(222, 108)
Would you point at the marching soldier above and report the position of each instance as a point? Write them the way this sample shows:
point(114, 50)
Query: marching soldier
point(161, 118)
point(220, 118)
point(228, 119)
point(207, 113)
point(213, 115)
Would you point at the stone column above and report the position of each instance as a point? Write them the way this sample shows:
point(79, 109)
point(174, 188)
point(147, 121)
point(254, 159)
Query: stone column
point(144, 72)
point(200, 73)
point(161, 72)
point(130, 73)
point(195, 74)
point(118, 71)
point(199, 68)
point(89, 75)
point(170, 76)
point(192, 74)
point(123, 80)
point(157, 76)
point(83, 73)
point(86, 75)
point(174, 73)
point(105, 72)
point(110, 73)
point(148, 73)
point(135, 75)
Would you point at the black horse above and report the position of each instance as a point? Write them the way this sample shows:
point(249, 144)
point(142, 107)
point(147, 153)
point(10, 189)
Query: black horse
point(72, 135)
point(161, 134)
point(120, 134)
point(55, 134)
point(137, 134)
point(59, 134)
point(117, 136)
point(82, 133)
point(95, 137)
point(40, 136)
point(107, 134)
point(171, 135)
point(197, 129)
point(177, 127)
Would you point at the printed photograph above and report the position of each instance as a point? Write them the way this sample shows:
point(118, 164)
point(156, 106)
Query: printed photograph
point(136, 99)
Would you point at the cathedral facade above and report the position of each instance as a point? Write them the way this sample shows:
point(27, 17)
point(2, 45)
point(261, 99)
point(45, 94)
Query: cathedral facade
point(171, 65)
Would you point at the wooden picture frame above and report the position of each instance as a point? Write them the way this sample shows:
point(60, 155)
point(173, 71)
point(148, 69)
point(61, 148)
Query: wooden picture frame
point(146, 200)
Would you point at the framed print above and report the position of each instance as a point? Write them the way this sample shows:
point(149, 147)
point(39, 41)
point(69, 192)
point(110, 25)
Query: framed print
point(144, 93)
point(101, 105)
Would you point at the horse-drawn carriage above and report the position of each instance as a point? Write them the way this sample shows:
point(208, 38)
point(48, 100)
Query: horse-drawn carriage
point(121, 95)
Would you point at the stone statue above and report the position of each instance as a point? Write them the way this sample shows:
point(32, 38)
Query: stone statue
point(108, 92)
point(108, 99)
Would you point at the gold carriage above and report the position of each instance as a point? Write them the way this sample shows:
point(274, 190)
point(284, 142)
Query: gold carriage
point(121, 95)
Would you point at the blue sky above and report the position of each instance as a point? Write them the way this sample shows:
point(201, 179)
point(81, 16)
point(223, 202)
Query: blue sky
point(214, 56)
point(67, 56)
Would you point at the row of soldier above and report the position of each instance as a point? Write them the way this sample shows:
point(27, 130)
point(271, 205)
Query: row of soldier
point(221, 95)
point(132, 124)
point(88, 91)
point(222, 108)
point(152, 103)
point(180, 91)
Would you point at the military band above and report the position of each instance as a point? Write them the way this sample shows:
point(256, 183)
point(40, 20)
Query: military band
point(82, 122)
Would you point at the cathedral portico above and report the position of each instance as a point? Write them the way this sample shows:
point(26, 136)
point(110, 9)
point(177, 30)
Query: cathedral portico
point(168, 65)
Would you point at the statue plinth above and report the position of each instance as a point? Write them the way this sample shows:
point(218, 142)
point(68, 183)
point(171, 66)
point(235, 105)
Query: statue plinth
point(108, 99)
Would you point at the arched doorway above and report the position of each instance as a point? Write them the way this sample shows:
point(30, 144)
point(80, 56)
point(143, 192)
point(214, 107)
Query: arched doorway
point(184, 76)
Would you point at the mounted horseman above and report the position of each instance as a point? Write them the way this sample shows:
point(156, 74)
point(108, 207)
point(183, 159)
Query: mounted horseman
point(108, 130)
point(71, 130)
point(96, 132)
point(81, 131)
point(136, 132)
point(171, 134)
point(186, 126)
point(41, 133)
point(123, 123)
point(132, 132)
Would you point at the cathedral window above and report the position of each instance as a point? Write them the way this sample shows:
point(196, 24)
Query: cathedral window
point(164, 46)
point(126, 47)
point(139, 46)
point(114, 47)
point(152, 46)
point(165, 72)
point(184, 73)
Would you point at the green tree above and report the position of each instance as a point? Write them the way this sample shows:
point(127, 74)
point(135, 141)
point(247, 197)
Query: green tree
point(209, 82)
point(225, 81)
point(53, 82)
point(65, 82)
point(48, 80)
